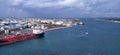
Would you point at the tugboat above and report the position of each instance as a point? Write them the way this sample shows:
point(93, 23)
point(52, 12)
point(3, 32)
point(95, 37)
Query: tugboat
point(20, 37)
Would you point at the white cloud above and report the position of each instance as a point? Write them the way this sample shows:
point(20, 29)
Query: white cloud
point(53, 4)
point(94, 1)
point(67, 2)
point(57, 4)
point(26, 7)
point(16, 2)
point(15, 11)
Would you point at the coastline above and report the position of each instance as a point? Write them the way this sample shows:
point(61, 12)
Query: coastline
point(111, 20)
point(56, 28)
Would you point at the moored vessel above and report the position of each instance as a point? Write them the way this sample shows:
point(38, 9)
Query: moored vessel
point(36, 32)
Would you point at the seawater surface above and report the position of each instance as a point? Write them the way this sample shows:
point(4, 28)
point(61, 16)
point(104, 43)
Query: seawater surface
point(94, 38)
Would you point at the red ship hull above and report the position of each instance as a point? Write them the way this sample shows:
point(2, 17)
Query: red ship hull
point(17, 38)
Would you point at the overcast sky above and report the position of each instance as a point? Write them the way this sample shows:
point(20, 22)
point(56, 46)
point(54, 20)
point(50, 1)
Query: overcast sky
point(59, 8)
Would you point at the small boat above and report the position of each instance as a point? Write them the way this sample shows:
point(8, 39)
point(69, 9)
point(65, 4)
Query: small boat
point(80, 23)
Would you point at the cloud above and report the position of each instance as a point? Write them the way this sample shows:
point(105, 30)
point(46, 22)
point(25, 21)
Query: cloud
point(8, 9)
point(16, 2)
point(56, 4)
point(55, 8)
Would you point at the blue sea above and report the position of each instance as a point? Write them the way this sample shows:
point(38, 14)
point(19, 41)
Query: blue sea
point(94, 38)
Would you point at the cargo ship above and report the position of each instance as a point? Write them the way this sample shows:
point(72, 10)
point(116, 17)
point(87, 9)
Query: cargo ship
point(18, 38)
point(36, 33)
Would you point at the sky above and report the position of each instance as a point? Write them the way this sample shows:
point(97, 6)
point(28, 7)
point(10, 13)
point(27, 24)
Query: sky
point(59, 8)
